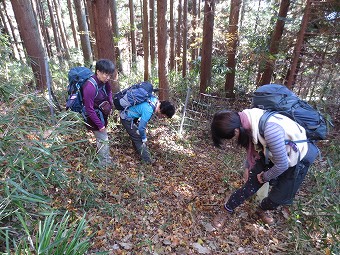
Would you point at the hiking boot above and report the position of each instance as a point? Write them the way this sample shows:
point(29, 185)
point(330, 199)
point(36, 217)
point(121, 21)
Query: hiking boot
point(221, 219)
point(264, 216)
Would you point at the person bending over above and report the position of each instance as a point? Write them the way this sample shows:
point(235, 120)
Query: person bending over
point(136, 118)
point(288, 164)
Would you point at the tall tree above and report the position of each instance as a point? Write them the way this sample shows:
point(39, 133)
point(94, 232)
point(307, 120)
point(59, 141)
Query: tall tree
point(116, 34)
point(61, 27)
point(146, 39)
point(178, 35)
point(172, 36)
point(208, 26)
point(264, 76)
point(29, 33)
point(83, 32)
point(91, 25)
point(55, 32)
point(44, 29)
point(185, 39)
point(193, 38)
point(290, 79)
point(73, 25)
point(231, 47)
point(104, 34)
point(161, 36)
point(152, 32)
point(132, 31)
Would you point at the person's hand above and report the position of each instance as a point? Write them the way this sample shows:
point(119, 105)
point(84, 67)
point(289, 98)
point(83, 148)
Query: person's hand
point(260, 178)
point(246, 175)
point(102, 129)
point(144, 140)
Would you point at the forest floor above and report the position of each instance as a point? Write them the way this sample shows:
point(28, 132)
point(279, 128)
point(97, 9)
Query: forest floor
point(167, 208)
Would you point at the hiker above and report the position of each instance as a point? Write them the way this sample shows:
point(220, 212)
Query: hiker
point(98, 106)
point(135, 119)
point(288, 164)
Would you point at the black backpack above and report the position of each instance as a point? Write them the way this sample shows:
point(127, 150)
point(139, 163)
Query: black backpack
point(133, 95)
point(77, 76)
point(276, 98)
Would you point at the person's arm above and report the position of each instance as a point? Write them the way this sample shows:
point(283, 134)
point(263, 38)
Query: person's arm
point(146, 116)
point(108, 88)
point(275, 138)
point(89, 93)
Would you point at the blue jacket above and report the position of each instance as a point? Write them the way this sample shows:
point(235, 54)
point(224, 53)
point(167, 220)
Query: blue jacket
point(143, 112)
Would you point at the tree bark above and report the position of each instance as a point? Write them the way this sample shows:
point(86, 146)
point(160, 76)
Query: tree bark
point(172, 36)
point(185, 40)
point(83, 32)
point(61, 29)
point(299, 45)
point(91, 26)
point(29, 33)
point(146, 39)
point(193, 35)
point(116, 35)
point(132, 32)
point(178, 35)
point(152, 32)
point(73, 26)
point(232, 47)
point(55, 32)
point(266, 75)
point(162, 35)
point(208, 26)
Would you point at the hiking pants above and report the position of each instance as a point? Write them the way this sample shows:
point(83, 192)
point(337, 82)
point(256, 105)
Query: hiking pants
point(283, 188)
point(103, 148)
point(141, 148)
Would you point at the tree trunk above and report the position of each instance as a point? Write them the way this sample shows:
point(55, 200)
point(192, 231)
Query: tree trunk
point(162, 35)
point(73, 25)
point(104, 33)
point(146, 39)
point(179, 37)
point(299, 45)
point(208, 26)
point(61, 29)
point(55, 32)
point(172, 36)
point(29, 33)
point(193, 35)
point(132, 31)
point(116, 35)
point(185, 40)
point(152, 32)
point(84, 32)
point(232, 47)
point(91, 25)
point(265, 77)
point(10, 32)
point(44, 29)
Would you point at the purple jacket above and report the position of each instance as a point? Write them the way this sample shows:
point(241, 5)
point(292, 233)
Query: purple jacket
point(92, 102)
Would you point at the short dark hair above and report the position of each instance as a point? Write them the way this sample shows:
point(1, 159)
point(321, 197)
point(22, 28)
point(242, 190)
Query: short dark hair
point(167, 108)
point(105, 66)
point(223, 126)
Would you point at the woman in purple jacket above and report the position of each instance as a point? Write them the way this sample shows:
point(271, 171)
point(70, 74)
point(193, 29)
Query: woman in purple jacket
point(97, 96)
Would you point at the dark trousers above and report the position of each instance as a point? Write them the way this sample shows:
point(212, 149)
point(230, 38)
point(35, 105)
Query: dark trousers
point(141, 148)
point(284, 187)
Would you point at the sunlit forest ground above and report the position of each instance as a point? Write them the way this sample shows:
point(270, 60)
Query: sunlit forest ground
point(48, 166)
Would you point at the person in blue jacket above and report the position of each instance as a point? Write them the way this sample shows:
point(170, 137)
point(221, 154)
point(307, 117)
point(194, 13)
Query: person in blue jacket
point(136, 118)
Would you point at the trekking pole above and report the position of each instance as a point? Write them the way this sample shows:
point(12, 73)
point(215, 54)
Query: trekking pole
point(184, 110)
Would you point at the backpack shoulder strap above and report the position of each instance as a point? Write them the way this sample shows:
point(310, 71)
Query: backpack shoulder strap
point(94, 83)
point(263, 120)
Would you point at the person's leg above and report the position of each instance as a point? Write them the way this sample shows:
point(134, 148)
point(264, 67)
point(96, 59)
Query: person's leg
point(290, 181)
point(103, 148)
point(287, 185)
point(141, 148)
point(240, 195)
